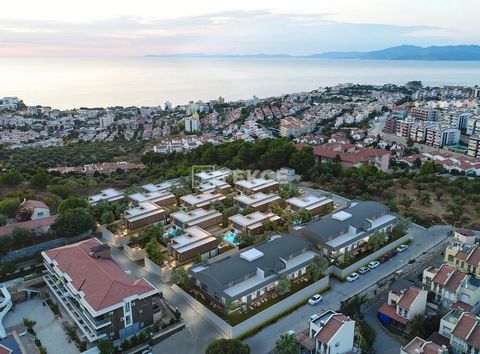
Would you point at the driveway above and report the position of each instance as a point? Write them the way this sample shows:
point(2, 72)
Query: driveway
point(198, 333)
point(422, 240)
point(49, 330)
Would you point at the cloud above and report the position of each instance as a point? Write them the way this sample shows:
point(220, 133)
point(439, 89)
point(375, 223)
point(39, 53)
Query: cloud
point(222, 32)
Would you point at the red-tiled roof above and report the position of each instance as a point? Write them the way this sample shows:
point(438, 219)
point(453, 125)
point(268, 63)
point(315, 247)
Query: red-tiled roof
point(408, 297)
point(390, 311)
point(448, 277)
point(29, 225)
point(103, 281)
point(4, 350)
point(32, 204)
point(331, 327)
point(464, 326)
point(460, 304)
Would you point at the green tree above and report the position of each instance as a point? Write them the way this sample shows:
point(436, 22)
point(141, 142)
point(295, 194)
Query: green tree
point(409, 142)
point(73, 222)
point(376, 240)
point(406, 202)
point(108, 217)
point(317, 267)
point(284, 285)
point(105, 346)
point(287, 344)
point(179, 276)
point(12, 178)
point(155, 231)
point(403, 224)
point(456, 211)
point(439, 195)
point(154, 251)
point(3, 220)
point(62, 191)
point(72, 203)
point(40, 179)
point(21, 237)
point(227, 346)
point(425, 198)
point(303, 160)
point(9, 206)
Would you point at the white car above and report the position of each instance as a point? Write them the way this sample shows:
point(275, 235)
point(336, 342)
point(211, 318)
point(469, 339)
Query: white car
point(401, 248)
point(363, 270)
point(373, 265)
point(291, 332)
point(352, 277)
point(315, 299)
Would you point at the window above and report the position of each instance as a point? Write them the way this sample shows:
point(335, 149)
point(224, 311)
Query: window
point(128, 321)
point(127, 307)
point(40, 213)
point(450, 258)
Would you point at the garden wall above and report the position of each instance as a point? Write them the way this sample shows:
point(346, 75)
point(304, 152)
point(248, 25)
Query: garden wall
point(135, 254)
point(164, 273)
point(258, 319)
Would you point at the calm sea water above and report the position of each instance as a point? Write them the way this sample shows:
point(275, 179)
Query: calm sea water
point(94, 82)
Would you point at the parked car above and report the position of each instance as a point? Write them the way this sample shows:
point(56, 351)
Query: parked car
point(363, 270)
point(373, 264)
point(315, 299)
point(291, 332)
point(384, 258)
point(393, 253)
point(402, 248)
point(352, 277)
point(314, 317)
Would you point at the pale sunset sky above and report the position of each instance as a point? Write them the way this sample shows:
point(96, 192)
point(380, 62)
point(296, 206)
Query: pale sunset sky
point(137, 28)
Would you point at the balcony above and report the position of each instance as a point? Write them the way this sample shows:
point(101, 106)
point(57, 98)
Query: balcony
point(83, 322)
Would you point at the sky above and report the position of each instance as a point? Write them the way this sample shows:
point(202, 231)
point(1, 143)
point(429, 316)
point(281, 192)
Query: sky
point(141, 27)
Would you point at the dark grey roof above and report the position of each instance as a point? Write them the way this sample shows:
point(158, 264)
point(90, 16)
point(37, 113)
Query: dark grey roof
point(327, 228)
point(219, 274)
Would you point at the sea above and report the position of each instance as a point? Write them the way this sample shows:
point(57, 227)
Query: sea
point(150, 81)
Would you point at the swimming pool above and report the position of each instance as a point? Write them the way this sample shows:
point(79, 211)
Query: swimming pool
point(171, 233)
point(231, 238)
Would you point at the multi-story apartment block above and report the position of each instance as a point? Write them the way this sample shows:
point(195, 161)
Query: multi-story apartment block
point(192, 123)
point(473, 126)
point(97, 293)
point(474, 146)
point(439, 137)
point(425, 114)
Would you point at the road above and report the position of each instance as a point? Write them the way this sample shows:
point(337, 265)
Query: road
point(198, 333)
point(422, 241)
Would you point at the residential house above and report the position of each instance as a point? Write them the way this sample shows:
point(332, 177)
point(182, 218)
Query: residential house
point(203, 200)
point(33, 209)
point(253, 223)
point(193, 242)
point(402, 307)
point(109, 195)
point(348, 229)
point(242, 278)
point(161, 198)
point(463, 256)
point(463, 330)
point(418, 345)
point(257, 202)
point(145, 213)
point(198, 217)
point(256, 185)
point(329, 333)
point(314, 204)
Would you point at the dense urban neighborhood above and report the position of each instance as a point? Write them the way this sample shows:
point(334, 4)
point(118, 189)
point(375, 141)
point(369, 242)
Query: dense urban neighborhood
point(341, 220)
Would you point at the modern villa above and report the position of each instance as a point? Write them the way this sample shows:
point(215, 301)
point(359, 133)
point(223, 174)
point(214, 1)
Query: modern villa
point(258, 201)
point(199, 217)
point(314, 204)
point(253, 273)
point(193, 242)
point(252, 224)
point(257, 185)
point(203, 200)
point(109, 195)
point(97, 293)
point(161, 198)
point(144, 214)
point(349, 228)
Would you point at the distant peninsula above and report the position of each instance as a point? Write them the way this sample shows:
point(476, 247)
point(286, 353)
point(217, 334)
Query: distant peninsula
point(402, 52)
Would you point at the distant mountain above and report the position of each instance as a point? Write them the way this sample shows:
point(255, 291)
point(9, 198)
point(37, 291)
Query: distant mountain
point(411, 52)
point(402, 52)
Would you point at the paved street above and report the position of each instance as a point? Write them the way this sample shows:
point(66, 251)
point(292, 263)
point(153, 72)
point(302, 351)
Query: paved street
point(199, 332)
point(423, 240)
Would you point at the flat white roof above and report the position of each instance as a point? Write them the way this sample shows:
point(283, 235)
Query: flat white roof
point(150, 196)
point(341, 216)
point(150, 187)
point(207, 175)
point(251, 255)
point(201, 198)
point(246, 220)
point(213, 184)
point(309, 201)
point(256, 183)
point(194, 215)
point(257, 199)
point(143, 210)
point(106, 194)
point(194, 237)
